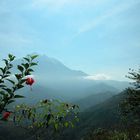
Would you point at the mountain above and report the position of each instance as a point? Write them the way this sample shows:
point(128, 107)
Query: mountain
point(101, 87)
point(93, 99)
point(50, 68)
point(103, 115)
point(97, 94)
point(53, 68)
point(55, 80)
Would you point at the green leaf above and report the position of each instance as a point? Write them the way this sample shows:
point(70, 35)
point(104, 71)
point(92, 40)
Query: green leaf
point(10, 101)
point(11, 57)
point(8, 72)
point(19, 96)
point(1, 86)
point(56, 126)
point(66, 124)
point(27, 59)
point(30, 70)
point(2, 93)
point(27, 73)
point(20, 68)
point(5, 76)
point(19, 86)
point(77, 119)
point(6, 61)
point(4, 70)
point(26, 65)
point(72, 125)
point(34, 56)
point(1, 81)
point(11, 81)
point(1, 69)
point(18, 76)
point(5, 97)
point(22, 81)
point(8, 90)
point(10, 66)
point(33, 64)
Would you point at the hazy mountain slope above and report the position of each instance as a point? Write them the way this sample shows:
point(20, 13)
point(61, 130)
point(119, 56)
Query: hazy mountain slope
point(50, 68)
point(96, 95)
point(121, 85)
point(107, 111)
point(52, 74)
point(102, 87)
point(54, 79)
point(104, 115)
point(94, 99)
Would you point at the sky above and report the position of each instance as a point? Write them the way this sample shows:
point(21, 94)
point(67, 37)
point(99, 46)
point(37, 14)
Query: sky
point(99, 37)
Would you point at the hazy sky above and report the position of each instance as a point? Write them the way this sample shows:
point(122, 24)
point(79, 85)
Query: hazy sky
point(99, 37)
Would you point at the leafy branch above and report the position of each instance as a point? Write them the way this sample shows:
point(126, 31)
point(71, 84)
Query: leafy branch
point(50, 114)
point(7, 93)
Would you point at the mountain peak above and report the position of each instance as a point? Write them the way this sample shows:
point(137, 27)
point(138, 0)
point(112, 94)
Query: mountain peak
point(55, 67)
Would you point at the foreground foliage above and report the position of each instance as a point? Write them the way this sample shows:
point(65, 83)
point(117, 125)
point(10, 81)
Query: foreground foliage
point(8, 90)
point(38, 118)
point(51, 114)
point(130, 107)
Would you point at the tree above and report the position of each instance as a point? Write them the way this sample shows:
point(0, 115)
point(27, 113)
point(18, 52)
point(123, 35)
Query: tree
point(130, 107)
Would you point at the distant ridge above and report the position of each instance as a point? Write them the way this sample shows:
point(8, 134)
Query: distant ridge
point(55, 80)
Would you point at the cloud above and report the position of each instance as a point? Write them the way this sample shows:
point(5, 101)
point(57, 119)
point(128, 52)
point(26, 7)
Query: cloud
point(98, 77)
point(123, 6)
point(59, 4)
point(51, 4)
point(13, 38)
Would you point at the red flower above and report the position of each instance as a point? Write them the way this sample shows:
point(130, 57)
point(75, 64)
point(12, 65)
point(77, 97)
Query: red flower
point(6, 115)
point(30, 81)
